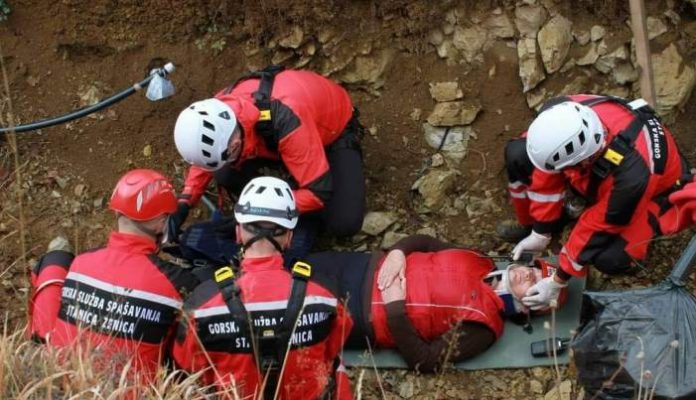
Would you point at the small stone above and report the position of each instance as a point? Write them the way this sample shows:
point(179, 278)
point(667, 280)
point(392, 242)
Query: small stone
point(452, 141)
point(391, 238)
point(32, 80)
point(416, 114)
point(61, 182)
point(55, 194)
point(376, 222)
point(98, 203)
point(655, 27)
point(373, 131)
point(554, 41)
point(437, 160)
point(427, 231)
point(590, 56)
point(406, 389)
point(147, 150)
point(293, 39)
point(434, 188)
point(89, 95)
point(79, 189)
point(67, 223)
point(452, 113)
point(445, 91)
point(59, 243)
point(436, 37)
point(560, 392)
point(536, 387)
point(597, 32)
point(582, 37)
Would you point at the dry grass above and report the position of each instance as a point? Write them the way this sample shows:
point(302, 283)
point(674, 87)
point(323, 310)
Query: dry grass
point(31, 371)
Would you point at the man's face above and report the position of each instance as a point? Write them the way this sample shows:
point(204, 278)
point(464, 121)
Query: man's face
point(522, 278)
point(234, 146)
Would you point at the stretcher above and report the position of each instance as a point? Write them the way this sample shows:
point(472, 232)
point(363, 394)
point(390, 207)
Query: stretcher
point(512, 350)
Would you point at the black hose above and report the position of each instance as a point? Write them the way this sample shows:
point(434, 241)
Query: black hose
point(82, 111)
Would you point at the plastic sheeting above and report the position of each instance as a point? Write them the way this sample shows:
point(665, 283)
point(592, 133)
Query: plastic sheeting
point(640, 340)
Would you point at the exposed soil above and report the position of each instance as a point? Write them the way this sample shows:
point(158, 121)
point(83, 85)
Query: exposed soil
point(54, 50)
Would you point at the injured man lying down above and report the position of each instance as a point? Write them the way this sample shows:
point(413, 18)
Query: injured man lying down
point(433, 302)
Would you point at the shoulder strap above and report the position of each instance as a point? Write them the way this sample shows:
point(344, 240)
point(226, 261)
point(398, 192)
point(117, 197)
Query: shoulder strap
point(262, 101)
point(225, 279)
point(273, 346)
point(272, 343)
point(623, 142)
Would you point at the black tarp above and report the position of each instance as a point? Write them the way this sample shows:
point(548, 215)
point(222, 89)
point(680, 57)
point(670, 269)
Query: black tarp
point(648, 333)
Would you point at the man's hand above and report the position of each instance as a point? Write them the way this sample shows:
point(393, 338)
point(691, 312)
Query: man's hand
point(535, 242)
point(393, 267)
point(543, 293)
point(395, 292)
point(176, 220)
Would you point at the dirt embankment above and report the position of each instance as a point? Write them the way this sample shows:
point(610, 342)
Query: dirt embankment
point(479, 68)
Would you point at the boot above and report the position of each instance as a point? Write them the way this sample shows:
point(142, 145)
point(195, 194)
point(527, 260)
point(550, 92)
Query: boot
point(511, 231)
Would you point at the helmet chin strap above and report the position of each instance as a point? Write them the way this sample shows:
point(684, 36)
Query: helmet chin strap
point(261, 232)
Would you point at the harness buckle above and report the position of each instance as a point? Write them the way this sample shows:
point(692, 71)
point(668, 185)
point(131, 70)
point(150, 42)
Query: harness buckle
point(264, 115)
point(613, 156)
point(223, 274)
point(301, 270)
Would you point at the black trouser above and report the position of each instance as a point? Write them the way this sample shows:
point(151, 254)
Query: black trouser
point(342, 214)
point(344, 274)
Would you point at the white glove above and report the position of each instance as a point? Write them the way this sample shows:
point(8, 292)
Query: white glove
point(535, 242)
point(543, 293)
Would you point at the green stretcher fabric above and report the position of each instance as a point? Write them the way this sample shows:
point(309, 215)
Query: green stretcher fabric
point(513, 350)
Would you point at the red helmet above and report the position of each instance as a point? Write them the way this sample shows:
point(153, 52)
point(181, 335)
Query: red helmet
point(142, 195)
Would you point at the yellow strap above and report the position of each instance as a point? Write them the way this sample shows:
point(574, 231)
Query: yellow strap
point(613, 157)
point(223, 273)
point(264, 115)
point(302, 269)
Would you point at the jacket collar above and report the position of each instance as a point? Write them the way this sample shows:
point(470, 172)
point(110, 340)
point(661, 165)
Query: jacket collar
point(130, 243)
point(262, 263)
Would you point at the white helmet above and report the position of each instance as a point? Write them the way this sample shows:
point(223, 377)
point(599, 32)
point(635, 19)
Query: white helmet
point(202, 132)
point(564, 135)
point(267, 199)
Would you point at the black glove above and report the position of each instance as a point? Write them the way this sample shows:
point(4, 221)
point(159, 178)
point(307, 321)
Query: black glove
point(176, 220)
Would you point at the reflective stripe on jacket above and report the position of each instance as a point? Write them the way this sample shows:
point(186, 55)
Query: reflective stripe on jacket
point(123, 300)
point(265, 286)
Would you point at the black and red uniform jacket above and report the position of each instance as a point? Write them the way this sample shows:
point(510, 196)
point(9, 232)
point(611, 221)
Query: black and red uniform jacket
point(323, 327)
point(309, 113)
point(650, 169)
point(47, 279)
point(121, 303)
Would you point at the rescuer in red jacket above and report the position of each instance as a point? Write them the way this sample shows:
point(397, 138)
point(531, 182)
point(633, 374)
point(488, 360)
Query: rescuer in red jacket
point(298, 118)
point(617, 162)
point(432, 301)
point(238, 328)
point(120, 303)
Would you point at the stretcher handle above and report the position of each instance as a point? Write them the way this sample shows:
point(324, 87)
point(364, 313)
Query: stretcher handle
point(684, 265)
